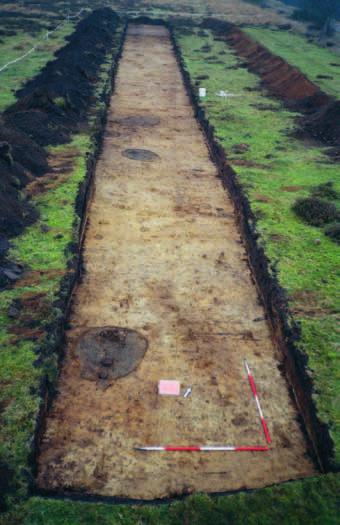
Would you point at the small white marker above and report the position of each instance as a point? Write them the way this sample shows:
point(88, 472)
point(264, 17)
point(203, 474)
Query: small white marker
point(187, 392)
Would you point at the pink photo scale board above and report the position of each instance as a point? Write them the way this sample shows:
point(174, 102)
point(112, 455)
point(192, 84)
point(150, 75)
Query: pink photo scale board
point(168, 387)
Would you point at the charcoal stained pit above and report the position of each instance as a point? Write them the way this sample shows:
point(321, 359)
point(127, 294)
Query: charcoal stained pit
point(140, 154)
point(107, 353)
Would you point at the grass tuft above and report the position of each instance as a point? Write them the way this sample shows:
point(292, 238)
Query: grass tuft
point(333, 232)
point(315, 211)
point(326, 190)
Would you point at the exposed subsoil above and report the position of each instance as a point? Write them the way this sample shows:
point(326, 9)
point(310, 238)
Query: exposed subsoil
point(49, 109)
point(163, 258)
point(322, 120)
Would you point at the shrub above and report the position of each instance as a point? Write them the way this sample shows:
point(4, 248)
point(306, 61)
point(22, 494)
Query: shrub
point(326, 191)
point(315, 211)
point(333, 232)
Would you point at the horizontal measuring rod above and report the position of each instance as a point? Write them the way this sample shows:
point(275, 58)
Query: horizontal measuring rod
point(203, 449)
point(257, 401)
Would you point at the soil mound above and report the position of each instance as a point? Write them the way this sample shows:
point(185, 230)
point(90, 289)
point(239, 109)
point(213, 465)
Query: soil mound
point(49, 109)
point(24, 150)
point(281, 78)
point(15, 213)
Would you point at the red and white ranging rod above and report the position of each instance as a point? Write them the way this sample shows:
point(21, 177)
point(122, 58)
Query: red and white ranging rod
point(257, 401)
point(203, 449)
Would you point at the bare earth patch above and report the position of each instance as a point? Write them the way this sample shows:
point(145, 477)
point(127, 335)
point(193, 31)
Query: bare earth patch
point(163, 258)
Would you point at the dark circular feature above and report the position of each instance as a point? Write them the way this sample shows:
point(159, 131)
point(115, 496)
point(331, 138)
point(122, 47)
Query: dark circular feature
point(144, 155)
point(109, 352)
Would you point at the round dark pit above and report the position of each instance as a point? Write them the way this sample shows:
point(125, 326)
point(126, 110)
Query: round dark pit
point(109, 352)
point(144, 155)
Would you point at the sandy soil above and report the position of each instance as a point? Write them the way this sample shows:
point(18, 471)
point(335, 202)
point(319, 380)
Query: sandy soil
point(163, 257)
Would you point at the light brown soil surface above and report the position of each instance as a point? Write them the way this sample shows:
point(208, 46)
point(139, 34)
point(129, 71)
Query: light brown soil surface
point(163, 257)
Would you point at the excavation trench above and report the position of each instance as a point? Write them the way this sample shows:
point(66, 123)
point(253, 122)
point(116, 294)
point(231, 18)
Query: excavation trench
point(321, 111)
point(166, 294)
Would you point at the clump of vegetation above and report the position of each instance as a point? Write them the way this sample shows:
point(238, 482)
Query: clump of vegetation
point(318, 209)
point(202, 77)
point(315, 211)
point(333, 232)
point(326, 191)
point(60, 102)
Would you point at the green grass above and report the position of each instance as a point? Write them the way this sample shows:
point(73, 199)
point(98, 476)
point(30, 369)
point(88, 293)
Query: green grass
point(12, 78)
point(313, 502)
point(310, 58)
point(45, 256)
point(44, 251)
point(307, 261)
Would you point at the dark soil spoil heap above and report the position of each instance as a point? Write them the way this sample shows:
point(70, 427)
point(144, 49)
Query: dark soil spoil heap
point(51, 107)
point(322, 112)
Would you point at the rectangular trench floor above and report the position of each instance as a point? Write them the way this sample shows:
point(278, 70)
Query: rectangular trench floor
point(163, 257)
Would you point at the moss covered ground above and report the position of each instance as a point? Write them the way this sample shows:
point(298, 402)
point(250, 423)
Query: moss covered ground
point(275, 169)
point(320, 64)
